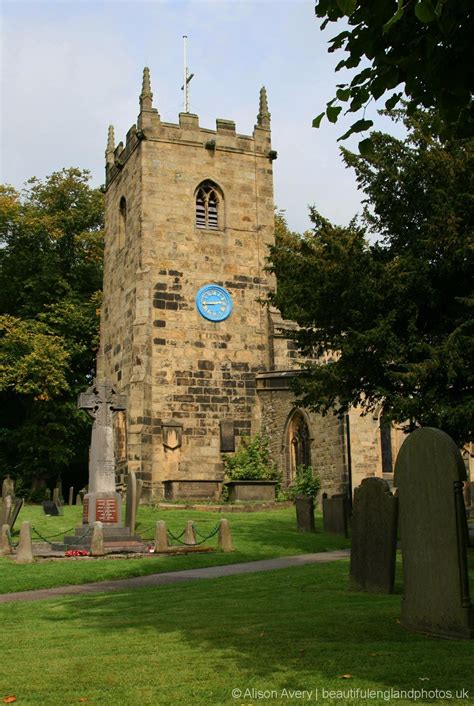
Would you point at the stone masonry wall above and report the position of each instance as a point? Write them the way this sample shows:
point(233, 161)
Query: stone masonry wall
point(176, 367)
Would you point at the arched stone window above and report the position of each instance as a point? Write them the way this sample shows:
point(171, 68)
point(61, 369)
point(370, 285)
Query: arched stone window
point(209, 206)
point(299, 443)
point(122, 222)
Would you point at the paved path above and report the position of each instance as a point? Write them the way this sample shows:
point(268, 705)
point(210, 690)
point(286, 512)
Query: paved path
point(209, 572)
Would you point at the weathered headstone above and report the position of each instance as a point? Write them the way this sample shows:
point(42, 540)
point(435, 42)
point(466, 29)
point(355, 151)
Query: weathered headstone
point(24, 553)
point(429, 475)
point(71, 496)
point(6, 547)
point(161, 537)
point(56, 496)
point(6, 510)
point(224, 537)
point(336, 514)
point(131, 502)
point(139, 493)
point(374, 536)
point(102, 502)
point(304, 505)
point(78, 499)
point(59, 486)
point(8, 487)
point(50, 508)
point(190, 533)
point(97, 541)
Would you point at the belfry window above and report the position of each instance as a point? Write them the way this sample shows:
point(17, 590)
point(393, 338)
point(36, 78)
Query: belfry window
point(208, 205)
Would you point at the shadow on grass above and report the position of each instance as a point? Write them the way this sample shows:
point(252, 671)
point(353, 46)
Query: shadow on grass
point(287, 628)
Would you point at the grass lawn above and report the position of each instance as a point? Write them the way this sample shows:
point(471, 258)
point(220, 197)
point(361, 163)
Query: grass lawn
point(192, 644)
point(259, 535)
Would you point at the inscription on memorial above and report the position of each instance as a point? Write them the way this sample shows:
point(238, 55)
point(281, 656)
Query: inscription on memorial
point(106, 510)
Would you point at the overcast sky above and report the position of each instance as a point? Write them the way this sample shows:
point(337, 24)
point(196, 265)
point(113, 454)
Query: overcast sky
point(72, 67)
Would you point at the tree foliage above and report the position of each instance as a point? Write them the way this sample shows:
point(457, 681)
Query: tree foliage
point(390, 322)
point(422, 49)
point(50, 278)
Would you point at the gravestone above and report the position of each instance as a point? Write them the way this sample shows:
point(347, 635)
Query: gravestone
point(131, 502)
point(102, 503)
point(15, 511)
point(59, 487)
point(429, 475)
point(305, 513)
point(50, 508)
point(139, 493)
point(6, 510)
point(8, 487)
point(336, 514)
point(57, 496)
point(374, 536)
point(71, 496)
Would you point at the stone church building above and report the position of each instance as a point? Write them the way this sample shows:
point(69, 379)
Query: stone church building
point(184, 333)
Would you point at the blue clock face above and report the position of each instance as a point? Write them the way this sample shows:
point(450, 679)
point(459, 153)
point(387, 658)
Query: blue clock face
point(214, 303)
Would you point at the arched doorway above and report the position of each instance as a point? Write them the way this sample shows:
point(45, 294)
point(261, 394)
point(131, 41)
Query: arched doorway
point(299, 443)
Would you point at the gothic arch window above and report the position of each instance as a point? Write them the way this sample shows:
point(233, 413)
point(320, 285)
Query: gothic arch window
point(209, 206)
point(299, 443)
point(122, 222)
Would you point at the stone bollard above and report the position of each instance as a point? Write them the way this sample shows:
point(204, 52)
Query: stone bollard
point(224, 537)
point(24, 553)
point(190, 533)
point(6, 547)
point(161, 537)
point(97, 541)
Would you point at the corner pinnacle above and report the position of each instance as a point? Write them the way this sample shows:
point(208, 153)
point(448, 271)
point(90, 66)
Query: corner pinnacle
point(146, 96)
point(109, 152)
point(263, 117)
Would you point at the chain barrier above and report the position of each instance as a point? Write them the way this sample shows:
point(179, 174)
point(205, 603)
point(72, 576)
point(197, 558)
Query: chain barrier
point(46, 539)
point(194, 544)
point(58, 534)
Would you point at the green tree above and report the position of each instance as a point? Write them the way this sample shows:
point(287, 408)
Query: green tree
point(422, 49)
point(390, 322)
point(51, 244)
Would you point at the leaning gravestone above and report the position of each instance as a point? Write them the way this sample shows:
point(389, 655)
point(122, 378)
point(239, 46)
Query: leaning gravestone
point(336, 514)
point(429, 475)
point(15, 511)
point(374, 536)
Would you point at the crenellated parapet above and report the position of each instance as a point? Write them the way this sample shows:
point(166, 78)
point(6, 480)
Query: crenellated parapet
point(187, 131)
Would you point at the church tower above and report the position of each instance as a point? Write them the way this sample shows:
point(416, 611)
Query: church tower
point(189, 217)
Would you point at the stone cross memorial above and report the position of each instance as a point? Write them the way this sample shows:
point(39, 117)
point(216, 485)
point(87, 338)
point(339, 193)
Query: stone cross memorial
point(102, 503)
point(374, 536)
point(429, 475)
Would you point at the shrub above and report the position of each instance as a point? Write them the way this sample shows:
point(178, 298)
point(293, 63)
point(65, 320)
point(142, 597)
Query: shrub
point(251, 461)
point(306, 483)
